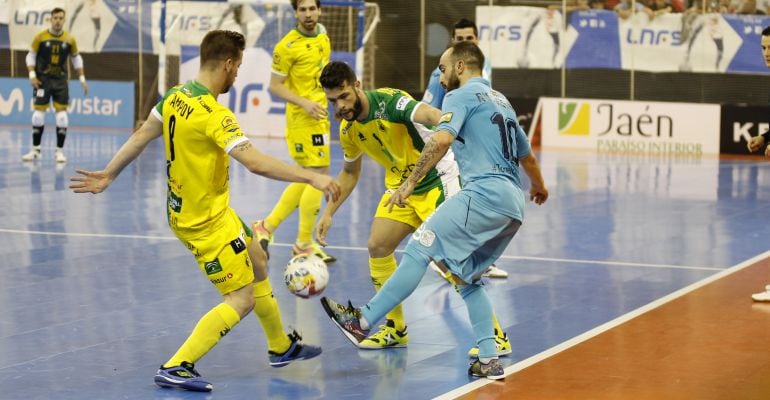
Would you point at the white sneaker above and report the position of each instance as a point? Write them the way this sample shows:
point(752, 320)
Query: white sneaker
point(33, 154)
point(494, 272)
point(60, 156)
point(762, 296)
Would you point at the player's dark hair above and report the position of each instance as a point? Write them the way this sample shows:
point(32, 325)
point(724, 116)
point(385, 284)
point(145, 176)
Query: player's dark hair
point(337, 73)
point(465, 23)
point(469, 53)
point(766, 31)
point(219, 45)
point(295, 4)
point(58, 10)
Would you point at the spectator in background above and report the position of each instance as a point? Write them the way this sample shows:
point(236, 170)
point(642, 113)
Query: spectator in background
point(625, 9)
point(749, 7)
point(659, 7)
point(758, 142)
point(596, 4)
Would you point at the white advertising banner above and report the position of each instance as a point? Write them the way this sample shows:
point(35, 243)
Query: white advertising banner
point(259, 112)
point(634, 127)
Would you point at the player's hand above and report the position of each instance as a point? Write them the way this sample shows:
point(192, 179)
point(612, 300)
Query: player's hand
point(400, 196)
point(90, 182)
point(538, 195)
point(315, 110)
point(756, 143)
point(328, 186)
point(767, 151)
point(85, 88)
point(322, 229)
point(35, 83)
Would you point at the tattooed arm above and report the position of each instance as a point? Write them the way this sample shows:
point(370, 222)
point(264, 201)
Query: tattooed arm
point(434, 150)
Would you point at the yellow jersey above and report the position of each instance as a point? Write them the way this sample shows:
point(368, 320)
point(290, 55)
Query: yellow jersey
point(389, 136)
point(198, 132)
point(300, 58)
point(52, 53)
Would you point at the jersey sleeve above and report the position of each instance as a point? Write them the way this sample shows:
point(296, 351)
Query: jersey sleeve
point(434, 93)
point(350, 151)
point(401, 106)
point(74, 46)
point(454, 113)
point(523, 147)
point(282, 60)
point(35, 46)
point(225, 130)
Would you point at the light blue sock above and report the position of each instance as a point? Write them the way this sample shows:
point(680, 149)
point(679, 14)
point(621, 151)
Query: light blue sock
point(398, 287)
point(481, 316)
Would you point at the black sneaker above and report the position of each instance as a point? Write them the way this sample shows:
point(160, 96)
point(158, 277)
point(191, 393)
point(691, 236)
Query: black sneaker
point(182, 376)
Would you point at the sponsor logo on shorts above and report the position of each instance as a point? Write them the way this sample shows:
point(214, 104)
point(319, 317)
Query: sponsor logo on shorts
point(427, 238)
point(212, 267)
point(238, 245)
point(222, 279)
point(318, 140)
point(402, 103)
point(298, 148)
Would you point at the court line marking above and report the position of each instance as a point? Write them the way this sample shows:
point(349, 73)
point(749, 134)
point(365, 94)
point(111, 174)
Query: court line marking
point(511, 369)
point(507, 257)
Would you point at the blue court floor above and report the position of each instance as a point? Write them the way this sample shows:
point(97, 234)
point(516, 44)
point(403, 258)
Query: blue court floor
point(96, 292)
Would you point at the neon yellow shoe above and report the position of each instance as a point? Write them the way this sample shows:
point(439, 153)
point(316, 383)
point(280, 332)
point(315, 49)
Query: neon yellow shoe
point(263, 236)
point(314, 248)
point(502, 344)
point(387, 337)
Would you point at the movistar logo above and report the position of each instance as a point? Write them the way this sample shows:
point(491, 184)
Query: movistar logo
point(574, 119)
point(16, 97)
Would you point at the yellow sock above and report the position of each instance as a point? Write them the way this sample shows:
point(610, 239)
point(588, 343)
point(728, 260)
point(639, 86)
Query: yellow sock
point(210, 328)
point(286, 205)
point(309, 205)
point(498, 328)
point(269, 316)
point(381, 269)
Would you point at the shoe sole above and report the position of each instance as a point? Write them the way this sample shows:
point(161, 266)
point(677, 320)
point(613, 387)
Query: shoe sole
point(330, 313)
point(285, 363)
point(162, 382)
point(378, 347)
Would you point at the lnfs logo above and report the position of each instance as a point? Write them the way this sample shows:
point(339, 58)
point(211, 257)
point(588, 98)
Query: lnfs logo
point(15, 98)
point(574, 118)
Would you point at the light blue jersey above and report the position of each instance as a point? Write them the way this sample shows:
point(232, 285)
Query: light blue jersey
point(434, 93)
point(488, 145)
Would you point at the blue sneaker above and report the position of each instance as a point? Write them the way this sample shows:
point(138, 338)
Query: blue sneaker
point(183, 376)
point(297, 351)
point(347, 318)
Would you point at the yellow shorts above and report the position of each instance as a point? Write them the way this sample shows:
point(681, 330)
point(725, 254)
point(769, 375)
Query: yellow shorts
point(222, 253)
point(420, 207)
point(309, 145)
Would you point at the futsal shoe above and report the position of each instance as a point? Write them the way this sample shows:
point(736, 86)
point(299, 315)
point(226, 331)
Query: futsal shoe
point(313, 249)
point(387, 337)
point(347, 318)
point(502, 345)
point(263, 236)
point(183, 376)
point(494, 272)
point(762, 296)
point(492, 370)
point(33, 154)
point(59, 156)
point(297, 351)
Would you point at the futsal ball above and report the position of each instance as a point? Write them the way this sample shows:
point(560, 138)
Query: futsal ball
point(306, 276)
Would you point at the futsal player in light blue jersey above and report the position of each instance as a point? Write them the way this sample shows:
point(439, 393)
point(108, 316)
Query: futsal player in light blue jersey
point(472, 228)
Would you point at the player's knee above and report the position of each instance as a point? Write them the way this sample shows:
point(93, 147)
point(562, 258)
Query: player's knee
point(38, 118)
point(62, 120)
point(377, 249)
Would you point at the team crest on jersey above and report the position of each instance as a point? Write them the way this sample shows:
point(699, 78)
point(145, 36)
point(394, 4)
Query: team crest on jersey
point(445, 118)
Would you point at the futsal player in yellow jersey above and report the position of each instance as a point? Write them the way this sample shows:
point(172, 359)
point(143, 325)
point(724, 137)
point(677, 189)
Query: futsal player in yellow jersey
point(297, 62)
point(200, 135)
point(388, 125)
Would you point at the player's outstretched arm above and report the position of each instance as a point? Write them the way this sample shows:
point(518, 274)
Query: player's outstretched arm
point(270, 167)
point(426, 114)
point(98, 181)
point(537, 191)
point(348, 178)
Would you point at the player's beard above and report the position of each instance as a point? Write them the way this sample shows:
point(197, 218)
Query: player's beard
point(309, 25)
point(355, 111)
point(453, 82)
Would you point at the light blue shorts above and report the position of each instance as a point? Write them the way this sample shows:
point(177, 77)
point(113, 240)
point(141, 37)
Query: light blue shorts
point(467, 237)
